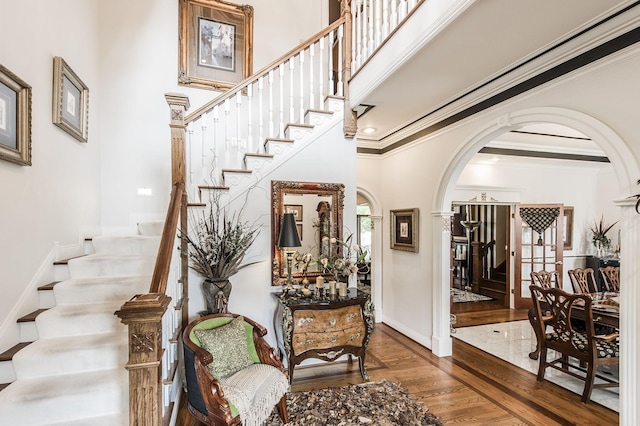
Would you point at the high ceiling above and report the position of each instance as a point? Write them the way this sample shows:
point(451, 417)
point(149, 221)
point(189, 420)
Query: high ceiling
point(488, 50)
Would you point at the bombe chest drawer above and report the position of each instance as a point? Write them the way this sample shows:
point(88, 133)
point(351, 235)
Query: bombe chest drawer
point(324, 329)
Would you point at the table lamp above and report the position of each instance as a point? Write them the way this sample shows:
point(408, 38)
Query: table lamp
point(288, 239)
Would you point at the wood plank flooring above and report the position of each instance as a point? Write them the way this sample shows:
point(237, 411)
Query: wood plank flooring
point(470, 388)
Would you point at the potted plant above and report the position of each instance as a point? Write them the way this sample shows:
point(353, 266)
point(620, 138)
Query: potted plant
point(343, 259)
point(218, 240)
point(599, 236)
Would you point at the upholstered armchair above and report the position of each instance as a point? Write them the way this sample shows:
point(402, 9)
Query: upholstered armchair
point(232, 374)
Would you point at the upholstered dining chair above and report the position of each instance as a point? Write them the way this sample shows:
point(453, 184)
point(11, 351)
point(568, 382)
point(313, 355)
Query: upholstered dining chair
point(611, 277)
point(544, 279)
point(557, 309)
point(583, 280)
point(232, 374)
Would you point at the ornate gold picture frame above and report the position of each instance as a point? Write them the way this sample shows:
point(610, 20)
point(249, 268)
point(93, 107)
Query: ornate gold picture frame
point(404, 229)
point(15, 118)
point(70, 101)
point(216, 43)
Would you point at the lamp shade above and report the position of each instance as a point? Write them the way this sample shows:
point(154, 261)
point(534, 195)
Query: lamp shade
point(288, 232)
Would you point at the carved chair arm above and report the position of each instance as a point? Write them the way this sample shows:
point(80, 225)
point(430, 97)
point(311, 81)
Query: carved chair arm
point(210, 389)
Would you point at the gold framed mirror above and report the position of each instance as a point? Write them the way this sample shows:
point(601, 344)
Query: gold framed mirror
point(318, 209)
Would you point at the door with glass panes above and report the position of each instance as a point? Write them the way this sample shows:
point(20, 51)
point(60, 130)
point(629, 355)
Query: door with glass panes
point(539, 244)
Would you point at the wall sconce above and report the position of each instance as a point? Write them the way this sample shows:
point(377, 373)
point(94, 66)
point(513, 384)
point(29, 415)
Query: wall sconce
point(288, 239)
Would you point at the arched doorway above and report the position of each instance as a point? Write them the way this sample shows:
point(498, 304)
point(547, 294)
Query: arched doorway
point(627, 171)
point(375, 215)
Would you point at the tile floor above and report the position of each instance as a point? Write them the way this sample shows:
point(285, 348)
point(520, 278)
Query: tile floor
point(512, 342)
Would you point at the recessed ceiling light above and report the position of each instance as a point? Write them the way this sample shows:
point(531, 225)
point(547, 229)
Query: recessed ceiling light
point(368, 130)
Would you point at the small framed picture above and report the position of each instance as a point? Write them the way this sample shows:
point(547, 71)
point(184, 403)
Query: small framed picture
point(15, 118)
point(404, 229)
point(216, 43)
point(568, 228)
point(296, 209)
point(70, 101)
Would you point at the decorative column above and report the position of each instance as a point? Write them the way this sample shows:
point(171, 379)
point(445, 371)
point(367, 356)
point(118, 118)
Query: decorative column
point(143, 315)
point(629, 313)
point(441, 338)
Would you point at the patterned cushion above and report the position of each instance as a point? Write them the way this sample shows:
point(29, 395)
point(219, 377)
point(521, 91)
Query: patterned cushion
point(603, 349)
point(228, 346)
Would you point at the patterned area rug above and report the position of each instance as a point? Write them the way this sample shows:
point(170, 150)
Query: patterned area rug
point(460, 296)
point(381, 403)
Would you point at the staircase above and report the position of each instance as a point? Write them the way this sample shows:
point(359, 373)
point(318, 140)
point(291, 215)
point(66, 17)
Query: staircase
point(73, 372)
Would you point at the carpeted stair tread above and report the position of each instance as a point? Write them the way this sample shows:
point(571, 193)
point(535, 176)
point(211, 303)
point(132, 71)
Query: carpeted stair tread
point(67, 355)
point(79, 319)
point(65, 398)
point(127, 245)
point(87, 290)
point(100, 265)
point(151, 228)
point(10, 353)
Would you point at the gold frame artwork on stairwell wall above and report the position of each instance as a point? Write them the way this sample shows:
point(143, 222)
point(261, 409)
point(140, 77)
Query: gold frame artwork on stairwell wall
point(15, 118)
point(216, 43)
point(70, 101)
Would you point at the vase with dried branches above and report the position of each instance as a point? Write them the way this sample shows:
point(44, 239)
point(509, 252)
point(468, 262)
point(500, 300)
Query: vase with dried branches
point(218, 239)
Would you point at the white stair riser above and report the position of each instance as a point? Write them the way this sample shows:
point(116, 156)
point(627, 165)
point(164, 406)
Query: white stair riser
point(150, 228)
point(28, 331)
point(257, 164)
point(146, 245)
point(46, 299)
point(278, 147)
point(42, 358)
point(47, 405)
point(93, 290)
point(61, 272)
point(7, 372)
point(316, 118)
point(297, 132)
point(115, 266)
point(232, 179)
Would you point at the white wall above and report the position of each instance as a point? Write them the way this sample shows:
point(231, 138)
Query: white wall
point(139, 64)
point(411, 176)
point(59, 195)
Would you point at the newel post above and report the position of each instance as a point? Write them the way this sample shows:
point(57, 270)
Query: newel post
point(143, 316)
point(350, 122)
point(179, 104)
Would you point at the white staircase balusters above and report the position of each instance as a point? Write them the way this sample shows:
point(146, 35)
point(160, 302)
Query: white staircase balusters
point(340, 91)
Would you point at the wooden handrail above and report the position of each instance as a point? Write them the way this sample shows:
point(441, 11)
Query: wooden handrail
point(273, 65)
point(167, 241)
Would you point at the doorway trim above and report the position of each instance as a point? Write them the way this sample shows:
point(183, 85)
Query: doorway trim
point(627, 172)
point(376, 250)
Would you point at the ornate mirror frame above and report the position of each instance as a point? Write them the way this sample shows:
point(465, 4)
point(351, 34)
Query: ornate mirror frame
point(278, 191)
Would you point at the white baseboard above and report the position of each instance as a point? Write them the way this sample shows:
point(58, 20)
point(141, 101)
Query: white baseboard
point(421, 339)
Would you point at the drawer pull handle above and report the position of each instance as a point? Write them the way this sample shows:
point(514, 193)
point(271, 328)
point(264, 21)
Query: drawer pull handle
point(331, 355)
point(332, 321)
point(355, 336)
point(303, 321)
point(308, 342)
point(334, 339)
point(352, 316)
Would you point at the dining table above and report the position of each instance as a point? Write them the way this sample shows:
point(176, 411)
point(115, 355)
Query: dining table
point(605, 309)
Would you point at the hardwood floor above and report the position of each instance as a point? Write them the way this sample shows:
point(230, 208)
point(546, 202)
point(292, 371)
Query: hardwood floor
point(470, 388)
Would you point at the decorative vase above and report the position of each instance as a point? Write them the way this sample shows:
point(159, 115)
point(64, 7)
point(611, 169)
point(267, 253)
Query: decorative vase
point(216, 294)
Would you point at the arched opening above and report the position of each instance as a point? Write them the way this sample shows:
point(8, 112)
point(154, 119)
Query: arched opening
point(626, 171)
point(374, 237)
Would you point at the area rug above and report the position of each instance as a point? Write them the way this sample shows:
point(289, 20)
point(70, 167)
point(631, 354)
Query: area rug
point(461, 296)
point(381, 403)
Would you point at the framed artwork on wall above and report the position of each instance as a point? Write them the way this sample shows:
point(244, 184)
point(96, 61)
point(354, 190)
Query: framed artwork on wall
point(296, 209)
point(568, 228)
point(15, 118)
point(70, 101)
point(216, 43)
point(404, 229)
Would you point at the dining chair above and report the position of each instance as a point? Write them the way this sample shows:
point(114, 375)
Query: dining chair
point(544, 279)
point(557, 308)
point(583, 280)
point(611, 277)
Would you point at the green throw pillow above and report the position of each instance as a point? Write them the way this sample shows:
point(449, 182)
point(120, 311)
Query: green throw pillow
point(228, 346)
